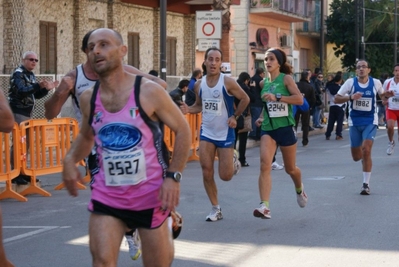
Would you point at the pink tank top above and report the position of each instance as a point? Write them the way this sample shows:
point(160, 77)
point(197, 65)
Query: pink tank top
point(131, 158)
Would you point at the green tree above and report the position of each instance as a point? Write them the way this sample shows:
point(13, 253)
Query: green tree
point(379, 33)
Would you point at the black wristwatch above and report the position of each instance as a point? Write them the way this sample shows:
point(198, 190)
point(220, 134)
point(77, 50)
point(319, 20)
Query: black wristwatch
point(174, 175)
point(278, 97)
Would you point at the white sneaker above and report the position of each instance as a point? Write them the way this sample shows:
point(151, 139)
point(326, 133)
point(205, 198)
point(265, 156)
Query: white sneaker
point(302, 198)
point(236, 162)
point(276, 166)
point(262, 212)
point(215, 215)
point(390, 147)
point(134, 245)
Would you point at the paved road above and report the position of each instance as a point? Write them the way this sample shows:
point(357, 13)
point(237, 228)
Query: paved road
point(339, 227)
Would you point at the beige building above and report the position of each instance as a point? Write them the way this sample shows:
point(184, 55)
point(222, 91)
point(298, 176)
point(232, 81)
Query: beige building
point(54, 30)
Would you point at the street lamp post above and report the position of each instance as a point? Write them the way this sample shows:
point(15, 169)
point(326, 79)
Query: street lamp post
point(321, 34)
point(395, 44)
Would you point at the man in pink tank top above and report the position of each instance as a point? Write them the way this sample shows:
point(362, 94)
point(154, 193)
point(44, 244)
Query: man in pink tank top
point(130, 156)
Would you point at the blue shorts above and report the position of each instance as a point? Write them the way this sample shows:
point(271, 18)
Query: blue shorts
point(284, 136)
point(220, 144)
point(360, 133)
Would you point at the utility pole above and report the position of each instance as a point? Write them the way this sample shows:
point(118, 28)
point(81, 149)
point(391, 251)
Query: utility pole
point(395, 44)
point(162, 48)
point(321, 34)
point(357, 29)
point(363, 30)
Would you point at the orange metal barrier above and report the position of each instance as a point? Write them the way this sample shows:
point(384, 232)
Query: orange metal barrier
point(194, 121)
point(6, 173)
point(49, 141)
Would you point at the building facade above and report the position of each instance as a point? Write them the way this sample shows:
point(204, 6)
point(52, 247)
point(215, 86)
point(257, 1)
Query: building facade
point(54, 30)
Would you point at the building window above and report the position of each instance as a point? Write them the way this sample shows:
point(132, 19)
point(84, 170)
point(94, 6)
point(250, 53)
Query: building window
point(171, 56)
point(48, 47)
point(133, 49)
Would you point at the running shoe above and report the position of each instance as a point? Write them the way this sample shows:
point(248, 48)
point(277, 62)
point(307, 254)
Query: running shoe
point(215, 215)
point(365, 189)
point(177, 223)
point(276, 166)
point(302, 198)
point(262, 212)
point(134, 245)
point(236, 162)
point(390, 147)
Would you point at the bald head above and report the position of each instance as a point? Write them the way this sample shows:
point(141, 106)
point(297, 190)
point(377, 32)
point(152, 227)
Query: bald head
point(108, 32)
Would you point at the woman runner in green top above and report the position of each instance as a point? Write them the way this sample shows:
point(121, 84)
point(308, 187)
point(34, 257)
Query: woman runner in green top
point(277, 121)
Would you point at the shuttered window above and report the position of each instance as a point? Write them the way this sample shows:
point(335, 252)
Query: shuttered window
point(171, 56)
point(48, 47)
point(133, 55)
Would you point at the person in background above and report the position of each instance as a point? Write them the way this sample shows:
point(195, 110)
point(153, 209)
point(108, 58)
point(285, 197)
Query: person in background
point(190, 94)
point(178, 93)
point(279, 94)
point(318, 107)
point(382, 121)
point(23, 92)
point(392, 107)
point(337, 111)
point(330, 78)
point(243, 81)
point(6, 126)
point(153, 73)
point(308, 93)
point(257, 106)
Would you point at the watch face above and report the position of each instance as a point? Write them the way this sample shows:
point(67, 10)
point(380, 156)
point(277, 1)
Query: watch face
point(178, 176)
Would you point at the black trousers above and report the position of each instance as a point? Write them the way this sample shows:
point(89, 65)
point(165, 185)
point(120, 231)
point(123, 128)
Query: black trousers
point(242, 145)
point(305, 120)
point(336, 114)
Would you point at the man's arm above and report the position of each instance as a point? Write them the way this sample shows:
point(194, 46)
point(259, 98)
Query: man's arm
point(54, 104)
point(343, 95)
point(80, 148)
point(158, 106)
point(150, 77)
point(6, 116)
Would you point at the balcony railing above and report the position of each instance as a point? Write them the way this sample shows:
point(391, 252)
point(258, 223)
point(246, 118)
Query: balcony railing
point(285, 10)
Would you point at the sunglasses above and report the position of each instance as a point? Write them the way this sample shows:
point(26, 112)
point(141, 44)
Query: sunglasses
point(32, 59)
point(319, 76)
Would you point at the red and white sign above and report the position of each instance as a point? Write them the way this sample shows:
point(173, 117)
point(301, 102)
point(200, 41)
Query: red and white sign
point(209, 24)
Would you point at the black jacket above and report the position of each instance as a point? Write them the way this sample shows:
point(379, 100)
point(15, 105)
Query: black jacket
point(258, 100)
point(308, 92)
point(23, 91)
point(177, 95)
point(249, 92)
point(190, 94)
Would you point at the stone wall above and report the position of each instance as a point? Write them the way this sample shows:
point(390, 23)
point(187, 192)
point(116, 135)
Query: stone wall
point(74, 18)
